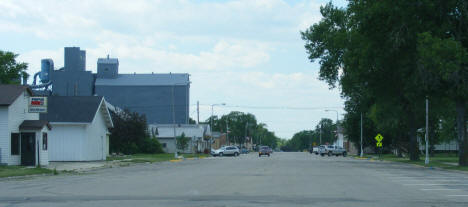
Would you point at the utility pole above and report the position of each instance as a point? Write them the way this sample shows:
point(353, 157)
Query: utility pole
point(362, 152)
point(427, 132)
point(227, 132)
point(174, 123)
point(198, 112)
point(320, 132)
point(211, 120)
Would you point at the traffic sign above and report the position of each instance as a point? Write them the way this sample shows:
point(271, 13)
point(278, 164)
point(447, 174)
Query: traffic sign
point(379, 144)
point(379, 137)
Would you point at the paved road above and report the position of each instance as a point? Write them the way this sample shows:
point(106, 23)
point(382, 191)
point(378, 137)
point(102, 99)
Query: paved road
point(284, 179)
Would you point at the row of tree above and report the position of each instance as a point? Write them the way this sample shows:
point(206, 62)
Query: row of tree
point(388, 56)
point(324, 133)
point(241, 125)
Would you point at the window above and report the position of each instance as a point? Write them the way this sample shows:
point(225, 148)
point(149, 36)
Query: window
point(44, 141)
point(164, 145)
point(14, 143)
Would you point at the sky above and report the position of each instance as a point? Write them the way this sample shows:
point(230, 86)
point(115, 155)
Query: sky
point(247, 54)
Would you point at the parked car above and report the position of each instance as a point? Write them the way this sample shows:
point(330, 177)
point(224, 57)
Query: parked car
point(337, 150)
point(265, 150)
point(325, 150)
point(227, 150)
point(315, 150)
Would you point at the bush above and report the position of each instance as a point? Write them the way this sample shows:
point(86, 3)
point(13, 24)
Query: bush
point(151, 145)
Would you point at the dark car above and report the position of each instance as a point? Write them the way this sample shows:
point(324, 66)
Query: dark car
point(264, 151)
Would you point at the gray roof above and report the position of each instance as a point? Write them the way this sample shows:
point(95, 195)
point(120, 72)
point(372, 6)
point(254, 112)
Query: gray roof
point(9, 93)
point(167, 79)
point(108, 61)
point(34, 125)
point(80, 109)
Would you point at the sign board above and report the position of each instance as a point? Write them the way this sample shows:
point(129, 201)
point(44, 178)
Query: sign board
point(379, 139)
point(37, 105)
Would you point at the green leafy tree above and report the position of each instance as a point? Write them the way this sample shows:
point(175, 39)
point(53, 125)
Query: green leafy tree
point(130, 135)
point(182, 142)
point(10, 70)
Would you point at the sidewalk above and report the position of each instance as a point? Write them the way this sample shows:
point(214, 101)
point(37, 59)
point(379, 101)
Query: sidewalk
point(77, 166)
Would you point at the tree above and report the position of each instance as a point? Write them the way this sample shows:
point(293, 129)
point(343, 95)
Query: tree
point(130, 135)
point(447, 59)
point(10, 70)
point(182, 142)
point(369, 48)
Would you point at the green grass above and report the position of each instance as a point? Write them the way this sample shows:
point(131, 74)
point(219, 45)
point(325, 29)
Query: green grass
point(143, 158)
point(11, 171)
point(441, 160)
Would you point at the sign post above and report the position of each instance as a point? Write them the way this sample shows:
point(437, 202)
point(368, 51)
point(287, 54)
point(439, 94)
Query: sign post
point(379, 144)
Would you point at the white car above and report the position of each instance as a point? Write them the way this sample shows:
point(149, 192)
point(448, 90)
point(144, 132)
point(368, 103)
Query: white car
point(227, 150)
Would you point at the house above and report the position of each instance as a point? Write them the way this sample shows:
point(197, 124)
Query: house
point(218, 140)
point(80, 126)
point(23, 137)
point(198, 134)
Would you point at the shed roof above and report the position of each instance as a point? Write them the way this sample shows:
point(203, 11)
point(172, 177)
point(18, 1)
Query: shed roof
point(81, 109)
point(34, 125)
point(9, 93)
point(145, 80)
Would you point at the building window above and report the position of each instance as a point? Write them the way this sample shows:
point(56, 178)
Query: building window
point(44, 141)
point(164, 145)
point(15, 143)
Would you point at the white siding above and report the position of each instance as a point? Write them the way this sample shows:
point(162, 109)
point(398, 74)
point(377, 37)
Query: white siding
point(96, 137)
point(44, 155)
point(17, 113)
point(4, 136)
point(66, 142)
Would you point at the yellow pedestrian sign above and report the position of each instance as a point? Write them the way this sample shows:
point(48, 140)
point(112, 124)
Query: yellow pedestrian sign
point(379, 139)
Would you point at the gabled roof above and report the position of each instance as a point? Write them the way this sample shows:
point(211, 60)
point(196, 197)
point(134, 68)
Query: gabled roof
point(73, 109)
point(168, 79)
point(9, 93)
point(34, 125)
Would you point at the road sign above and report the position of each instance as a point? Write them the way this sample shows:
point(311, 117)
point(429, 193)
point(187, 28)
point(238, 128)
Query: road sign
point(379, 137)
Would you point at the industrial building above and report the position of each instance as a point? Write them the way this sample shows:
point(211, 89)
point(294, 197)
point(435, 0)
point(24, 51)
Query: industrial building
point(154, 95)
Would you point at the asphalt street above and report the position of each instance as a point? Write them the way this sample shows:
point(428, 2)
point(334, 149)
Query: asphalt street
point(284, 179)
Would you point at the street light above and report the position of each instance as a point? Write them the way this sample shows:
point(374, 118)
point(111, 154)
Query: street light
point(328, 110)
point(211, 120)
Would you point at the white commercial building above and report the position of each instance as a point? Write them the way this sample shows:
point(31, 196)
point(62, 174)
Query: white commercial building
point(80, 126)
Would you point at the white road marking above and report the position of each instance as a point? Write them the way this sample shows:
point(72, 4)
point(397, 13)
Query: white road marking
point(431, 184)
point(437, 189)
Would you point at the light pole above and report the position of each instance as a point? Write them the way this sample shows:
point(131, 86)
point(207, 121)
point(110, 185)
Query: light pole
point(173, 122)
point(211, 121)
point(427, 132)
point(328, 110)
point(362, 152)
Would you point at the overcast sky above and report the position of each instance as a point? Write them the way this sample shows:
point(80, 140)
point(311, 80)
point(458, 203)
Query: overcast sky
point(242, 53)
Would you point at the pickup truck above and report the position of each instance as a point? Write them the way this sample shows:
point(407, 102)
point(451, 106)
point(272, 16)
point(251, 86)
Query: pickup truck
point(337, 150)
point(331, 150)
point(315, 150)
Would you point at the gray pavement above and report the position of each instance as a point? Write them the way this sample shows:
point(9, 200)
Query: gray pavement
point(284, 179)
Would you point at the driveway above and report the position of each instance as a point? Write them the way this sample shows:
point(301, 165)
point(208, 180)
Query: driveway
point(284, 179)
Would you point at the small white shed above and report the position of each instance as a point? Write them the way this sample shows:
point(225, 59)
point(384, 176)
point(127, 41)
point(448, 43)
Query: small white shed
point(80, 126)
point(23, 137)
